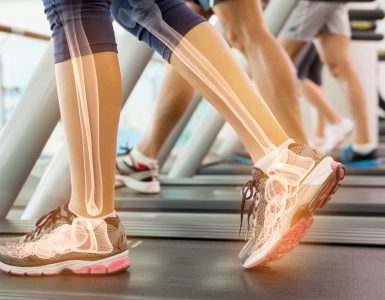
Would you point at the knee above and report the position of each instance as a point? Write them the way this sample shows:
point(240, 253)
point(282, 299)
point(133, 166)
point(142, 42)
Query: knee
point(236, 39)
point(247, 36)
point(339, 68)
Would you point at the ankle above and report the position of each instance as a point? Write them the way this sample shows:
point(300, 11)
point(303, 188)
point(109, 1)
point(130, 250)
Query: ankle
point(268, 159)
point(336, 120)
point(81, 212)
point(142, 158)
point(363, 149)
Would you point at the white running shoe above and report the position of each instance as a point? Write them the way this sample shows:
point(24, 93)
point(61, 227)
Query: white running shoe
point(317, 142)
point(283, 201)
point(136, 176)
point(336, 133)
point(62, 241)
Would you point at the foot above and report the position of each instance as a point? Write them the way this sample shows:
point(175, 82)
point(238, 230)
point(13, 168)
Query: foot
point(284, 199)
point(318, 142)
point(137, 176)
point(62, 241)
point(336, 133)
point(353, 159)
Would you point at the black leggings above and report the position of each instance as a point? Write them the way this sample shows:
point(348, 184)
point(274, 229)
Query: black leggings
point(311, 66)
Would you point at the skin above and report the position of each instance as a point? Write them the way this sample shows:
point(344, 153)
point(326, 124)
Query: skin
point(213, 47)
point(109, 88)
point(316, 96)
point(271, 68)
point(334, 53)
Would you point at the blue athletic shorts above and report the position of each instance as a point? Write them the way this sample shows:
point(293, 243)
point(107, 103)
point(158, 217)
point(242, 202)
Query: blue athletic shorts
point(94, 16)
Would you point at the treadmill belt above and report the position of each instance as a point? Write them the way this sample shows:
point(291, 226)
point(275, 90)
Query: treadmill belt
point(236, 168)
point(240, 180)
point(348, 200)
point(190, 269)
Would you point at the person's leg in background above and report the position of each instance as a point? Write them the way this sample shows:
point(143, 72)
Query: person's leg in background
point(174, 97)
point(329, 135)
point(319, 133)
point(335, 54)
point(330, 22)
point(271, 68)
point(205, 60)
point(335, 127)
point(316, 96)
point(85, 235)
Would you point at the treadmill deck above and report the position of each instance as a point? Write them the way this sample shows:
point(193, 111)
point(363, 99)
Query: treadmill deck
point(190, 269)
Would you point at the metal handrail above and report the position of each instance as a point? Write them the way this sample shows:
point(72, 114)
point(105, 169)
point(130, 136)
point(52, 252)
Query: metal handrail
point(25, 33)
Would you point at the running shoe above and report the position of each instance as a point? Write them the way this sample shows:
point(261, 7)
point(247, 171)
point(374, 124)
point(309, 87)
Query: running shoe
point(137, 176)
point(283, 201)
point(353, 159)
point(61, 242)
point(318, 142)
point(336, 133)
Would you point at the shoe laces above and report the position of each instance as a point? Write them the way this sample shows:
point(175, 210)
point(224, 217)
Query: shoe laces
point(126, 149)
point(45, 222)
point(251, 192)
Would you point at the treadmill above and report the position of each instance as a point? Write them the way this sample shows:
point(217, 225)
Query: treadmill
point(184, 244)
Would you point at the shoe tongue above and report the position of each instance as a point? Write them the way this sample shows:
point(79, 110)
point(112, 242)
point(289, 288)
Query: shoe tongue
point(66, 216)
point(291, 165)
point(297, 148)
point(304, 150)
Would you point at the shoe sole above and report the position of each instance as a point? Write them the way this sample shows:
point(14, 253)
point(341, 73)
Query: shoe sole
point(139, 186)
point(109, 265)
point(369, 163)
point(297, 231)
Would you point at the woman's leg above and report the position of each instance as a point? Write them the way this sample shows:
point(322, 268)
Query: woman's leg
point(175, 96)
point(335, 54)
point(89, 89)
point(207, 41)
point(85, 236)
point(316, 96)
point(320, 129)
point(109, 92)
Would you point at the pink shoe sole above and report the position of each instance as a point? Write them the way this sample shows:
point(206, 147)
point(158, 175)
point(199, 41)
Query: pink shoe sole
point(114, 267)
point(297, 232)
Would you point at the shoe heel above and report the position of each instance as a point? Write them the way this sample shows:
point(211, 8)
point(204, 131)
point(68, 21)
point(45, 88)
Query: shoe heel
point(334, 185)
point(339, 170)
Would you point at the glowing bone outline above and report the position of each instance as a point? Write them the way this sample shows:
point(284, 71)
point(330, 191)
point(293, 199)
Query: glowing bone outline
point(147, 14)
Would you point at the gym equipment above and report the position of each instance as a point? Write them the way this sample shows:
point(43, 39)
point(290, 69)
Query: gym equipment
point(186, 215)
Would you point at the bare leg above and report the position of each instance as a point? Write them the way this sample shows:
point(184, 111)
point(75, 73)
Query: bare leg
point(271, 67)
point(316, 95)
point(206, 40)
point(293, 48)
point(174, 99)
point(109, 88)
point(320, 130)
point(335, 54)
